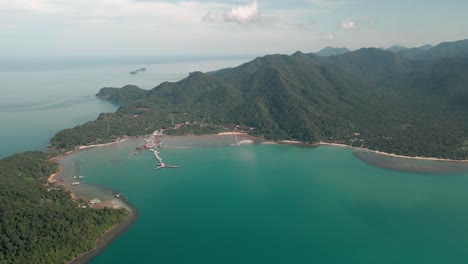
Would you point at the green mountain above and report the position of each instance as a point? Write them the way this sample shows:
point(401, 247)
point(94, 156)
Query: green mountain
point(330, 51)
point(446, 50)
point(414, 53)
point(370, 97)
point(396, 48)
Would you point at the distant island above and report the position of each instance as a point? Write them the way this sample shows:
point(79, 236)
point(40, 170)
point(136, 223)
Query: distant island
point(394, 102)
point(137, 71)
point(411, 102)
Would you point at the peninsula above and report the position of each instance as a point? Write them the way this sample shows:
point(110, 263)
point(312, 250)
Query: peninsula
point(370, 98)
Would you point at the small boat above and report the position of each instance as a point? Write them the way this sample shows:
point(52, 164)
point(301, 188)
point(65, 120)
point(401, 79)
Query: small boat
point(75, 183)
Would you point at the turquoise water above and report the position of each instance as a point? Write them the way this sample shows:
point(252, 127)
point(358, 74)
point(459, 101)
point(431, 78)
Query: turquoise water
point(280, 204)
point(40, 98)
point(247, 204)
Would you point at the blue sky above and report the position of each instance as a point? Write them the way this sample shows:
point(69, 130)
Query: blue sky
point(216, 27)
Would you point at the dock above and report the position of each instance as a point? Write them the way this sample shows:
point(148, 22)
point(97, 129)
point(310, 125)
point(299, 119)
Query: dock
point(235, 138)
point(152, 144)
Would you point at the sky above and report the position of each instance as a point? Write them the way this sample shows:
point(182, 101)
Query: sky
point(221, 27)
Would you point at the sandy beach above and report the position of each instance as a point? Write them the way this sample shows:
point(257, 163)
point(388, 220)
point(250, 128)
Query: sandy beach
point(189, 141)
point(113, 233)
point(102, 145)
point(387, 154)
point(231, 133)
point(59, 169)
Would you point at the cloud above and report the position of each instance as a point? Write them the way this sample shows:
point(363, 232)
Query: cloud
point(244, 14)
point(327, 37)
point(349, 25)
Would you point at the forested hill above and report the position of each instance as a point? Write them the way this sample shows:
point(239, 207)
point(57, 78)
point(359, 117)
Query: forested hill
point(370, 97)
point(40, 223)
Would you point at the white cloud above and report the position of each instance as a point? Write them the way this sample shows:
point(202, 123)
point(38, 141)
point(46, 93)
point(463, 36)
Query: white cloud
point(244, 14)
point(327, 37)
point(349, 25)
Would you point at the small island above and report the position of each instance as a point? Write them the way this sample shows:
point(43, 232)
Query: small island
point(137, 71)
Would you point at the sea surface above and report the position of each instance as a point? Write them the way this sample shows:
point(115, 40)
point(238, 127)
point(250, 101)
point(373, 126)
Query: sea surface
point(265, 203)
point(40, 96)
point(253, 203)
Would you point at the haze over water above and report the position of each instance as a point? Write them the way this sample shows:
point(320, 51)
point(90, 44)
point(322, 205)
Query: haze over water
point(41, 96)
point(247, 204)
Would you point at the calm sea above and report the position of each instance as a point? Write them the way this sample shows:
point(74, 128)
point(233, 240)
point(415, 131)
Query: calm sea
point(246, 204)
point(279, 204)
point(41, 96)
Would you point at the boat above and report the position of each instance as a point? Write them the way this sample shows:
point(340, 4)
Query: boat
point(75, 183)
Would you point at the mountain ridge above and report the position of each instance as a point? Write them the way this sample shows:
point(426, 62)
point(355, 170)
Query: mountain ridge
point(395, 104)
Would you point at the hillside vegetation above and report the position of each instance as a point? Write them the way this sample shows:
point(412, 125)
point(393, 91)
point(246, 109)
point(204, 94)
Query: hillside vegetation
point(370, 97)
point(40, 223)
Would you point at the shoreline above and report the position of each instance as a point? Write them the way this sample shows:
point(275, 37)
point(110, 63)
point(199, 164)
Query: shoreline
point(286, 142)
point(59, 169)
point(112, 233)
point(229, 133)
point(109, 236)
point(388, 154)
point(117, 230)
point(318, 144)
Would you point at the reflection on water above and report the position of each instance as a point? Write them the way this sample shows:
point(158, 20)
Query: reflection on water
point(412, 165)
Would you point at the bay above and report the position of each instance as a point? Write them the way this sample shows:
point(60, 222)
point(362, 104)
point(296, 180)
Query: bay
point(279, 204)
point(247, 204)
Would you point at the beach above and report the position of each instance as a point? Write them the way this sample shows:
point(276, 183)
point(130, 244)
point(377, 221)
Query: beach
point(192, 141)
point(63, 171)
point(388, 154)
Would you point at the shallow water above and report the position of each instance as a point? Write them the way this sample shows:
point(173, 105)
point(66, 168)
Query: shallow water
point(247, 204)
point(413, 165)
point(279, 204)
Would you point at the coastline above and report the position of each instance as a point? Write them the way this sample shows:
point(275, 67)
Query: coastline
point(115, 231)
point(321, 143)
point(230, 133)
point(102, 145)
point(109, 236)
point(387, 154)
point(59, 169)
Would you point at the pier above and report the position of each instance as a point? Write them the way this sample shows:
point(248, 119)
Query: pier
point(235, 138)
point(152, 144)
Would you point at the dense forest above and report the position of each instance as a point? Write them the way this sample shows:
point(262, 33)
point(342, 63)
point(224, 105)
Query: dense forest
point(413, 103)
point(40, 223)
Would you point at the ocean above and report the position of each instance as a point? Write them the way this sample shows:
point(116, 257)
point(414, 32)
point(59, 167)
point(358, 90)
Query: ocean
point(41, 96)
point(265, 203)
point(254, 203)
